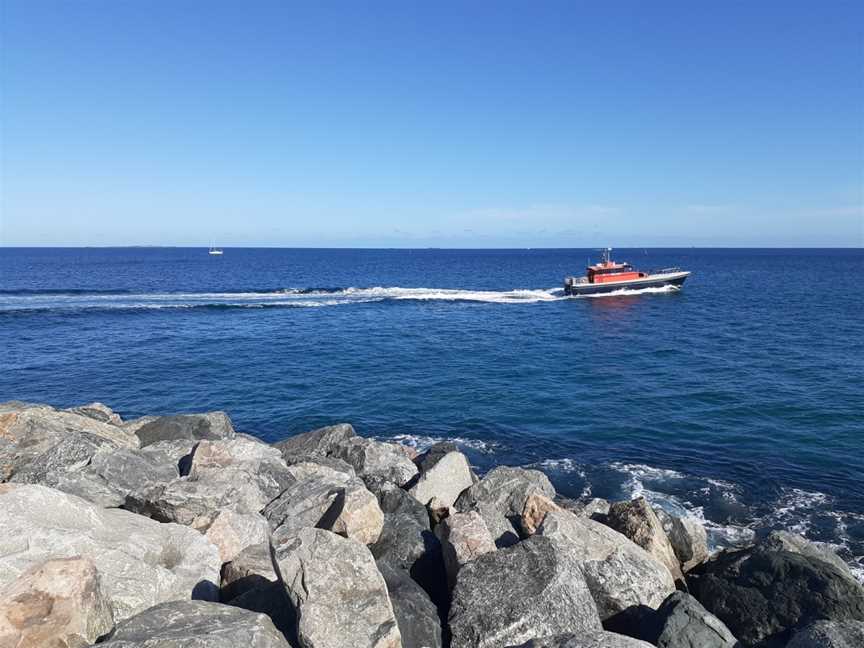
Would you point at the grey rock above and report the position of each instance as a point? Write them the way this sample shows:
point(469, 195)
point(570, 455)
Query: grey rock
point(338, 594)
point(58, 603)
point(37, 441)
point(513, 595)
point(415, 612)
point(140, 562)
point(272, 600)
point(795, 543)
point(250, 569)
point(113, 474)
point(194, 427)
point(434, 454)
point(682, 622)
point(373, 460)
point(829, 634)
point(463, 538)
point(196, 624)
point(762, 594)
point(619, 573)
point(322, 442)
point(232, 532)
point(98, 412)
point(177, 453)
point(638, 521)
point(444, 480)
point(328, 499)
point(595, 508)
point(329, 462)
point(688, 538)
point(228, 474)
point(405, 534)
point(599, 639)
point(500, 498)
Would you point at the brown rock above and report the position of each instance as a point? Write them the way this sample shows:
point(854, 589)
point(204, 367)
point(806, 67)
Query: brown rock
point(56, 604)
point(637, 520)
point(463, 536)
point(536, 507)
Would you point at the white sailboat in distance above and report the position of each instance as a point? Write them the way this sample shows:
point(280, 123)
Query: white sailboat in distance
point(214, 251)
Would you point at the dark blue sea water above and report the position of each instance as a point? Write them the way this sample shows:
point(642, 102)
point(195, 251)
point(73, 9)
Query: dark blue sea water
point(739, 398)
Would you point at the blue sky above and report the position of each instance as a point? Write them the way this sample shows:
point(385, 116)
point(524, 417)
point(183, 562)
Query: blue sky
point(467, 124)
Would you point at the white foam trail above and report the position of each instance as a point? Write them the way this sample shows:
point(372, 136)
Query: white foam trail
point(624, 292)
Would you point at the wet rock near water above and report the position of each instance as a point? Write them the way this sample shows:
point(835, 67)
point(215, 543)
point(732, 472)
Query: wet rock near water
point(762, 593)
point(619, 574)
point(638, 521)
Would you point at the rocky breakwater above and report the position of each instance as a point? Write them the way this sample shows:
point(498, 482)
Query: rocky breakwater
point(179, 531)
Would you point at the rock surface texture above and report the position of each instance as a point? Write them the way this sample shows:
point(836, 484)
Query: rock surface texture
point(140, 562)
point(587, 640)
point(637, 520)
point(196, 624)
point(829, 634)
point(443, 477)
point(463, 537)
point(339, 596)
point(681, 622)
point(58, 603)
point(760, 593)
point(688, 538)
point(530, 590)
point(619, 573)
point(500, 499)
point(192, 427)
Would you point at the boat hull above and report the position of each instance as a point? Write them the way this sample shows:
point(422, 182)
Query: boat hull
point(675, 279)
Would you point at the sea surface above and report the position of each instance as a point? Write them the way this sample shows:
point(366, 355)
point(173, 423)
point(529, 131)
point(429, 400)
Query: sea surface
point(738, 400)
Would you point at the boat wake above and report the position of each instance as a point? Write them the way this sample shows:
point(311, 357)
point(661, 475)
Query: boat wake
point(54, 299)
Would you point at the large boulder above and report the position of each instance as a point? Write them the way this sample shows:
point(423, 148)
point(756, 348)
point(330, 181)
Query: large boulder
point(140, 562)
point(115, 474)
point(376, 461)
point(829, 634)
point(597, 639)
point(250, 569)
point(638, 521)
point(405, 535)
point(500, 499)
point(322, 442)
point(232, 532)
point(237, 474)
point(37, 441)
point(193, 624)
point(682, 622)
point(416, 614)
point(98, 412)
point(761, 593)
point(506, 597)
point(325, 498)
point(795, 543)
point(619, 573)
point(339, 596)
point(58, 603)
point(434, 453)
point(193, 427)
point(463, 537)
point(443, 477)
point(688, 538)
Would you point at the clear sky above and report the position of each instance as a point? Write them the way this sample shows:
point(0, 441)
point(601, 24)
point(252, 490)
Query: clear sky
point(464, 124)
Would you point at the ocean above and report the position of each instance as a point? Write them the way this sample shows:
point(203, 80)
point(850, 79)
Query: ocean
point(738, 400)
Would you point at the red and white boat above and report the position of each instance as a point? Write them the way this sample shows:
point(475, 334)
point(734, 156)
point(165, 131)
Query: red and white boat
point(609, 276)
